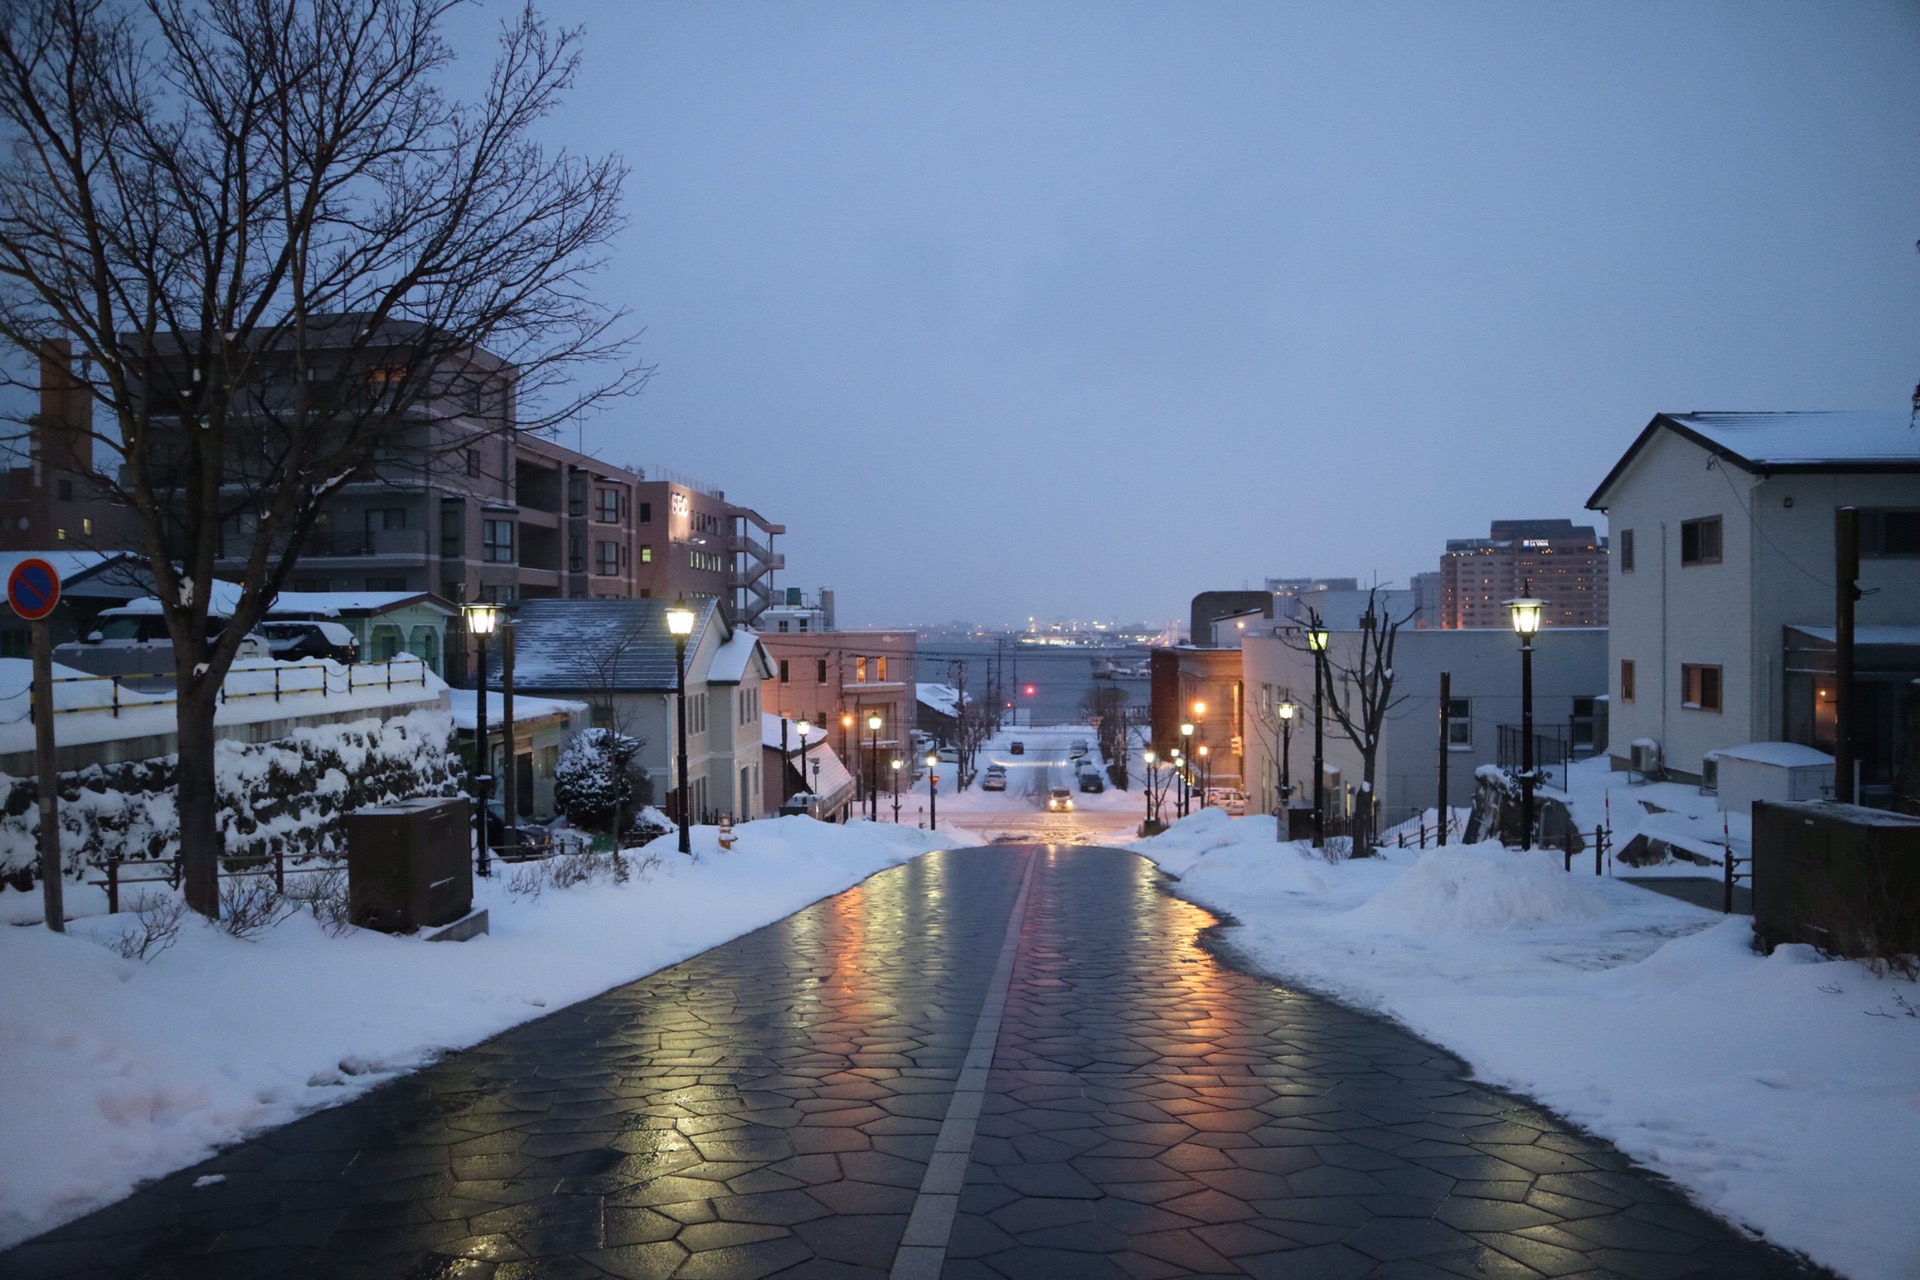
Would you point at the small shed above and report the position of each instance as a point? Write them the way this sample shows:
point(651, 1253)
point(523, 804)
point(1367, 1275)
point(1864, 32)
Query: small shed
point(1769, 771)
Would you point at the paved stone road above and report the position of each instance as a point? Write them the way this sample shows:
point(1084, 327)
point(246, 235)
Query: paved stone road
point(814, 1100)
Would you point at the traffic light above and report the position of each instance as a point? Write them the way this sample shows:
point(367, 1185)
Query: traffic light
point(1030, 691)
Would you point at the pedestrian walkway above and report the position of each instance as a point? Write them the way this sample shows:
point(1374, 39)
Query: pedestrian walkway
point(1002, 1062)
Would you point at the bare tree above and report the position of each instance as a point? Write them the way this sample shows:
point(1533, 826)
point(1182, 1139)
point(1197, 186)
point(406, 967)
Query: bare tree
point(290, 263)
point(1357, 694)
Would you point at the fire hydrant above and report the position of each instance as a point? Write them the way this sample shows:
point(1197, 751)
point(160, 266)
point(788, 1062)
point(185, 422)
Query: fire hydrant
point(726, 831)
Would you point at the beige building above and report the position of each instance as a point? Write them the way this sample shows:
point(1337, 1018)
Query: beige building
point(837, 679)
point(1564, 564)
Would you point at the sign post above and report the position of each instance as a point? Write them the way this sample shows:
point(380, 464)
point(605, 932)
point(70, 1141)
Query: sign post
point(33, 589)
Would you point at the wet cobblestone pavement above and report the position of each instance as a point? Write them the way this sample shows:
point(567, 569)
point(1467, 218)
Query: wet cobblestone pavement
point(790, 1103)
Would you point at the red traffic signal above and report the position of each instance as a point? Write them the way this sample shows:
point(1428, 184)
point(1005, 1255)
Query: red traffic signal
point(1030, 691)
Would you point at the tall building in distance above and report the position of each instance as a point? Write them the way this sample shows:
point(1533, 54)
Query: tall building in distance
point(1563, 563)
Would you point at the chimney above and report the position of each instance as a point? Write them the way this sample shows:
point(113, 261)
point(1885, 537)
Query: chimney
point(63, 429)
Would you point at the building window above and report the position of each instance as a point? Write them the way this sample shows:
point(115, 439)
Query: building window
point(1626, 550)
point(783, 671)
point(803, 624)
point(473, 461)
point(576, 555)
point(646, 553)
point(823, 670)
point(859, 670)
point(1699, 687)
point(1459, 724)
point(1626, 679)
point(1889, 534)
point(386, 584)
point(382, 518)
point(496, 541)
point(783, 624)
point(1700, 541)
point(66, 491)
point(646, 513)
point(606, 505)
point(606, 558)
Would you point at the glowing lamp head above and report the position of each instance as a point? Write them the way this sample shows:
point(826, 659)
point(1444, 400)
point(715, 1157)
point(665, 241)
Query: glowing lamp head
point(1149, 757)
point(481, 618)
point(1526, 610)
point(680, 618)
point(1186, 731)
point(896, 762)
point(1199, 708)
point(1317, 639)
point(874, 722)
point(933, 760)
point(1288, 711)
point(805, 727)
point(846, 721)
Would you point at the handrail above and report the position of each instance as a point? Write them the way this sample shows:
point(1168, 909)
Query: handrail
point(325, 686)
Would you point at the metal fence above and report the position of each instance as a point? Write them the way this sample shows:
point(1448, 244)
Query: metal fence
point(287, 682)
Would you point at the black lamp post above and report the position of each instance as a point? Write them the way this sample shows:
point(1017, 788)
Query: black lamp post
point(1526, 620)
point(1317, 641)
point(933, 790)
point(895, 766)
point(1286, 710)
point(480, 623)
point(1206, 775)
point(873, 763)
point(804, 728)
point(680, 623)
point(1149, 759)
point(1186, 765)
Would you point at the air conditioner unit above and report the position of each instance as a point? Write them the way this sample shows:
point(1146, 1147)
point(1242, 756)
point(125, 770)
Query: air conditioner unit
point(1646, 757)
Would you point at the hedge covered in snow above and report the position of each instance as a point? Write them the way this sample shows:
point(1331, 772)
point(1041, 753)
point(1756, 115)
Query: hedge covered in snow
point(288, 795)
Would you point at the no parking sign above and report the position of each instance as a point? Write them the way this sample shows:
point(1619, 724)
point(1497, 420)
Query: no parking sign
point(33, 589)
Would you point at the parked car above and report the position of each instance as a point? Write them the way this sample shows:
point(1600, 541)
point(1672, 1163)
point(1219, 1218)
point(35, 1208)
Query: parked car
point(995, 779)
point(1232, 799)
point(300, 641)
point(1017, 747)
point(1083, 764)
point(1059, 800)
point(1090, 780)
point(1079, 748)
point(134, 642)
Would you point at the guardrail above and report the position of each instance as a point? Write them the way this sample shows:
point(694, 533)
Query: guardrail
point(325, 686)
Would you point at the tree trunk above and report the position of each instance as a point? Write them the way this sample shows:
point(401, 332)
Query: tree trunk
point(197, 797)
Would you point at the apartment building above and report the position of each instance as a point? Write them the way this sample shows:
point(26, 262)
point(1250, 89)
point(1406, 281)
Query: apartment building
point(1563, 564)
point(838, 679)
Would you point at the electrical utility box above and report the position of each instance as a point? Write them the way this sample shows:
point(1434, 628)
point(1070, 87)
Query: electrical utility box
point(409, 864)
point(1842, 877)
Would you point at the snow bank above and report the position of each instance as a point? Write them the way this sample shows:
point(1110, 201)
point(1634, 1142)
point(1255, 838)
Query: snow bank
point(112, 1071)
point(1469, 889)
point(1782, 1092)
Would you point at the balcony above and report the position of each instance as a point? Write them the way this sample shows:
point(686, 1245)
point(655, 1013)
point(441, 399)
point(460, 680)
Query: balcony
point(405, 544)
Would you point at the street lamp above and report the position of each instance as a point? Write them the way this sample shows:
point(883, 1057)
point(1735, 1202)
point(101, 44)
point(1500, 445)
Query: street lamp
point(1186, 789)
point(1151, 760)
point(481, 618)
point(1206, 775)
point(933, 790)
point(873, 756)
point(1317, 642)
point(1526, 620)
point(897, 762)
point(850, 748)
point(1287, 711)
point(805, 727)
point(680, 623)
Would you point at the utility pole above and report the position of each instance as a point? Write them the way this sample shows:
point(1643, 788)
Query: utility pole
point(958, 668)
point(1446, 698)
point(1846, 554)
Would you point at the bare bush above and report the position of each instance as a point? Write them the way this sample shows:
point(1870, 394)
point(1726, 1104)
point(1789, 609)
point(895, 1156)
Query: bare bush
point(250, 905)
point(325, 894)
point(157, 926)
point(527, 879)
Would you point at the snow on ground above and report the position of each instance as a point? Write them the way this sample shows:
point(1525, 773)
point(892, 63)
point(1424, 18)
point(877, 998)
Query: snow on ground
point(1782, 1092)
point(114, 1070)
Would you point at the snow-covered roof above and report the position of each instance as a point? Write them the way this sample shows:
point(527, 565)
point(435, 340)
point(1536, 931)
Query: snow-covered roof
point(833, 775)
point(732, 659)
point(570, 645)
point(1787, 755)
point(68, 564)
point(1829, 440)
point(1869, 636)
point(330, 604)
point(943, 698)
point(524, 708)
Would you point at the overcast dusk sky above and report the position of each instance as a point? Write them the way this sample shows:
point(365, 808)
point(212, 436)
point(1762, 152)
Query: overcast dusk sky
point(1067, 309)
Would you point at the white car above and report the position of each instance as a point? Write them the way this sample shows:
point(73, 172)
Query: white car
point(1059, 800)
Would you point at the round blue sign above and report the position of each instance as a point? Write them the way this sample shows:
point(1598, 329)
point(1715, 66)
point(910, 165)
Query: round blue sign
point(33, 589)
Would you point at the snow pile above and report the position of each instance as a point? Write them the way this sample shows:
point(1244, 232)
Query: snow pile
point(1470, 889)
point(112, 1070)
point(1782, 1092)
